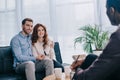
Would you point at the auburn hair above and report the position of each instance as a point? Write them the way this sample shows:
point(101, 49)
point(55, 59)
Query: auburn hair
point(34, 37)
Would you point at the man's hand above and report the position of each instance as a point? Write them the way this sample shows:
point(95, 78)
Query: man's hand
point(75, 64)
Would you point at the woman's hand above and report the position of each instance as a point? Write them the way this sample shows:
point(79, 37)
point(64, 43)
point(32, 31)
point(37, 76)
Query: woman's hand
point(40, 57)
point(52, 44)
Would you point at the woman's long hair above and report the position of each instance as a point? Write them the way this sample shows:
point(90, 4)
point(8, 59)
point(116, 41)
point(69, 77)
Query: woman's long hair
point(35, 34)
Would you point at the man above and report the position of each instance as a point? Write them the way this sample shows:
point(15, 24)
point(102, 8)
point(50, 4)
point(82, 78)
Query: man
point(107, 65)
point(24, 61)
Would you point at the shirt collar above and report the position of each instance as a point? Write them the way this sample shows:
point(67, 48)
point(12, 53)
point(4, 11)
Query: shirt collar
point(24, 36)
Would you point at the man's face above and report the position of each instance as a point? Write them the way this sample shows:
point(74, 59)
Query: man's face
point(27, 27)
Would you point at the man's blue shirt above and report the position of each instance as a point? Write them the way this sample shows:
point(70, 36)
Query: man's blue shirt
point(22, 48)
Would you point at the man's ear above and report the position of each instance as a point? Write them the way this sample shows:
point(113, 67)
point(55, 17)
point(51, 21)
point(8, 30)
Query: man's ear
point(112, 10)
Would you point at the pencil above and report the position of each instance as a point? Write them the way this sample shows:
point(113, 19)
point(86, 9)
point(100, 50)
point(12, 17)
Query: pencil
point(77, 58)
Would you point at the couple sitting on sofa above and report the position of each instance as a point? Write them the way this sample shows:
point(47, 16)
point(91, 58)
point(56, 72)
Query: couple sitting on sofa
point(33, 53)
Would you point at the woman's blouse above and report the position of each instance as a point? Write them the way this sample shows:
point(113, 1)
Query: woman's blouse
point(39, 49)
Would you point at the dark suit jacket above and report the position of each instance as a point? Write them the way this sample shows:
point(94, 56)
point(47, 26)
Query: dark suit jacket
point(107, 65)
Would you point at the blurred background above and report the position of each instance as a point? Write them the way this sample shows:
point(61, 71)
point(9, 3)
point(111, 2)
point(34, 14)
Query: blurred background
point(62, 18)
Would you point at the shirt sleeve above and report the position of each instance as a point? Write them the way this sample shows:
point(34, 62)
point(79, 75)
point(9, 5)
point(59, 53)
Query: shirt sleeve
point(52, 53)
point(16, 48)
point(50, 50)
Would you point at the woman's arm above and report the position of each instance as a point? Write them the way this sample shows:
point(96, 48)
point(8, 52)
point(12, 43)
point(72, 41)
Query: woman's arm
point(50, 50)
point(34, 51)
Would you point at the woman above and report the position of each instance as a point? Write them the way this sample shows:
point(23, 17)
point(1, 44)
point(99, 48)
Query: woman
point(43, 47)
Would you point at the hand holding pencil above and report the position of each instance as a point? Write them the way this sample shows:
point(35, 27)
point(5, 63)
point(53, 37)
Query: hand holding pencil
point(76, 63)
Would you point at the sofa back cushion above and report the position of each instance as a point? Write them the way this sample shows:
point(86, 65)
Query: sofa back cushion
point(6, 60)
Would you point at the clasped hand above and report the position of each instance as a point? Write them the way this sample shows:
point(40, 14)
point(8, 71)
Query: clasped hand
point(40, 57)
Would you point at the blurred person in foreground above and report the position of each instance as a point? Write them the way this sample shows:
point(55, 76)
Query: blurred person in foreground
point(107, 65)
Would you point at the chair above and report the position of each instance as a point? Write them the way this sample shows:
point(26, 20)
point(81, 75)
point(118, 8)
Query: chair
point(58, 54)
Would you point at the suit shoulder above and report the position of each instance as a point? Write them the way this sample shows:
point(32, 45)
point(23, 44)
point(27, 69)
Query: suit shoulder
point(116, 35)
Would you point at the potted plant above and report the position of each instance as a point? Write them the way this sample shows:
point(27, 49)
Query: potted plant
point(92, 36)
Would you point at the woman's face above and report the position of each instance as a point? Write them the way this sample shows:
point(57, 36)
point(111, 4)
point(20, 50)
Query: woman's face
point(41, 32)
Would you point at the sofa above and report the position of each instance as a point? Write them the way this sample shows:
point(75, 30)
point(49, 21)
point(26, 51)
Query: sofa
point(6, 64)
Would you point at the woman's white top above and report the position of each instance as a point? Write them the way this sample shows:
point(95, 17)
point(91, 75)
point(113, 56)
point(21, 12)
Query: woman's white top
point(38, 49)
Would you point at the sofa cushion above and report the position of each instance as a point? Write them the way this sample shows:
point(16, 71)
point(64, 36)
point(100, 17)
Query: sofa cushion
point(11, 77)
point(6, 60)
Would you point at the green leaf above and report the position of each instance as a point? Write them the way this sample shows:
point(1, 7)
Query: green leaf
point(92, 35)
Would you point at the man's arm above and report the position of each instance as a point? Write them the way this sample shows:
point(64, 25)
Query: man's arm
point(16, 48)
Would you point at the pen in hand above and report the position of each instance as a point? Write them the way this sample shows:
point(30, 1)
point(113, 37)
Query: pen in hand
point(77, 59)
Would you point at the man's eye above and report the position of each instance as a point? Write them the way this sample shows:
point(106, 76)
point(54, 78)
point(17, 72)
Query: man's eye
point(27, 25)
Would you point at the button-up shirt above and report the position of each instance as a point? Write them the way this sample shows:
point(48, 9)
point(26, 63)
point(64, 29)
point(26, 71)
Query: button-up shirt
point(22, 48)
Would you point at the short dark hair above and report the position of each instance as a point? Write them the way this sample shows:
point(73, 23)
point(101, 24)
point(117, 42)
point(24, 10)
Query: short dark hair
point(26, 19)
point(114, 3)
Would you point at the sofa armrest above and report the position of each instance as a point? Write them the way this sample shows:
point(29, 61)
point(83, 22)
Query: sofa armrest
point(57, 52)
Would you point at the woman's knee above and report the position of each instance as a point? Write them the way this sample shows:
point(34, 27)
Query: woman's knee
point(88, 61)
point(91, 56)
point(48, 62)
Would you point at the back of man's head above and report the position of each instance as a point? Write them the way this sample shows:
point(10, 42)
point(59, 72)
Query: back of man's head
point(114, 3)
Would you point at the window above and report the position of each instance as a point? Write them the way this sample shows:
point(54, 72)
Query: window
point(37, 10)
point(8, 23)
point(61, 17)
point(70, 15)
